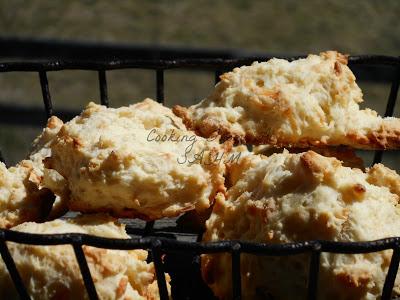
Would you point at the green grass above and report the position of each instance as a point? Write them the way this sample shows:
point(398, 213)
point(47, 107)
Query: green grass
point(290, 27)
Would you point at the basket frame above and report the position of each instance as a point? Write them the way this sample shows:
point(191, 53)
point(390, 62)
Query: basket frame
point(159, 245)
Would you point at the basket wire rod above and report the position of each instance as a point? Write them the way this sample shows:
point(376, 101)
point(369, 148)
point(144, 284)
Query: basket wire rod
point(312, 289)
point(218, 73)
point(392, 273)
point(12, 269)
point(2, 158)
point(160, 86)
point(148, 228)
point(83, 266)
point(236, 275)
point(389, 108)
point(44, 84)
point(103, 88)
point(158, 265)
point(195, 63)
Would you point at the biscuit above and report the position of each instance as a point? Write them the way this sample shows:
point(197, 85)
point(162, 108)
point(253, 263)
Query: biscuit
point(298, 197)
point(52, 272)
point(136, 161)
point(48, 178)
point(307, 102)
point(20, 198)
point(27, 190)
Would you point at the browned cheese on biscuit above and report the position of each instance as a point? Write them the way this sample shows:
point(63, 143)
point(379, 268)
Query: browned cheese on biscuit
point(307, 102)
point(346, 155)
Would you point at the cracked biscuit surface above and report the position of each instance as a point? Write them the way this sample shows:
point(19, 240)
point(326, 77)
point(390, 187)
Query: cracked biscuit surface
point(136, 161)
point(307, 102)
point(52, 272)
point(297, 197)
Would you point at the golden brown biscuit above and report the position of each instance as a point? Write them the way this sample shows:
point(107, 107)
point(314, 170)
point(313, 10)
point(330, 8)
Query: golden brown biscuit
point(52, 272)
point(136, 161)
point(297, 197)
point(20, 198)
point(47, 178)
point(27, 190)
point(307, 102)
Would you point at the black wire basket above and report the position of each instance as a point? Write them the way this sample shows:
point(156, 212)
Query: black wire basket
point(185, 254)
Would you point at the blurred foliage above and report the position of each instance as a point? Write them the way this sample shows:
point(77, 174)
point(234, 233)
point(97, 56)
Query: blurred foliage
point(284, 27)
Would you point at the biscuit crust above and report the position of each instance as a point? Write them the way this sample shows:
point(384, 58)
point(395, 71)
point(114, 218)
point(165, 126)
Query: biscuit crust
point(307, 102)
point(47, 178)
point(23, 194)
point(137, 161)
point(298, 197)
point(20, 198)
point(51, 272)
point(346, 155)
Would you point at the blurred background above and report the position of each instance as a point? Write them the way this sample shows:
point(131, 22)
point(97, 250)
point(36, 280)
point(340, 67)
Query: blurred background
point(250, 27)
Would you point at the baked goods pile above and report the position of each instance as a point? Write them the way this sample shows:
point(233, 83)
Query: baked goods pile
point(52, 272)
point(302, 182)
point(307, 106)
